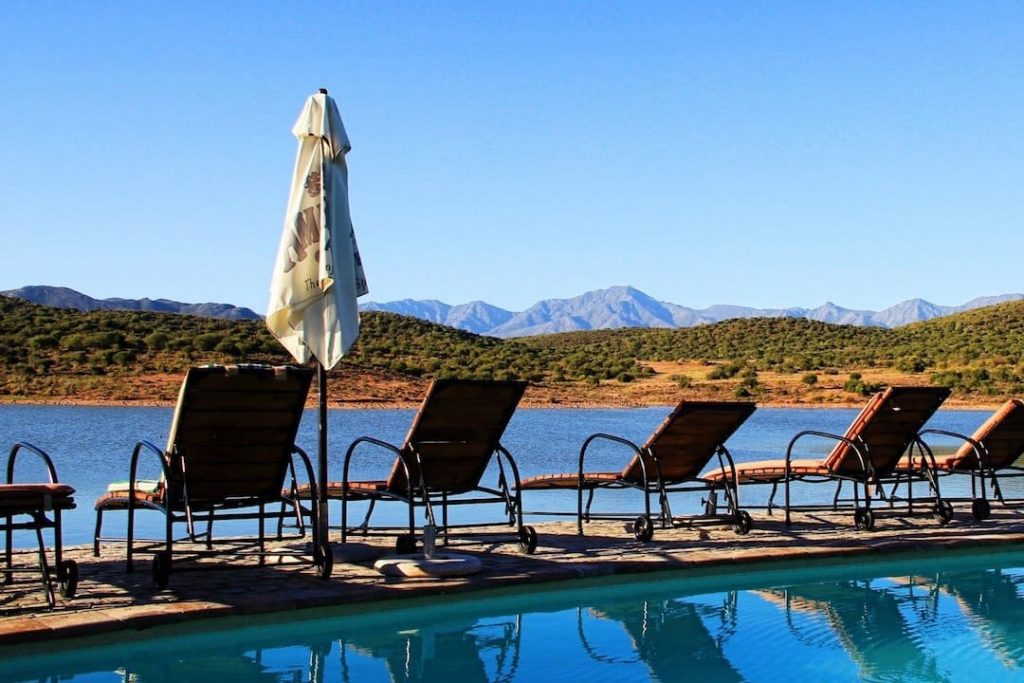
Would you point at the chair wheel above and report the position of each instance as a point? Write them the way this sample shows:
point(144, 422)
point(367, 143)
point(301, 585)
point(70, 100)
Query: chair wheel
point(864, 519)
point(161, 570)
point(643, 528)
point(528, 540)
point(67, 576)
point(743, 524)
point(405, 544)
point(323, 561)
point(943, 512)
point(981, 509)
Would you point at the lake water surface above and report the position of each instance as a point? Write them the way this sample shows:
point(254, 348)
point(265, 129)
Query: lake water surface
point(92, 446)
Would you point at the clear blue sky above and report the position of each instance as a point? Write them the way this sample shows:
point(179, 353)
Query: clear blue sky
point(767, 154)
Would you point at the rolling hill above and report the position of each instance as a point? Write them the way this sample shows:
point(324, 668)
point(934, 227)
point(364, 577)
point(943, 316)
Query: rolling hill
point(63, 297)
point(51, 353)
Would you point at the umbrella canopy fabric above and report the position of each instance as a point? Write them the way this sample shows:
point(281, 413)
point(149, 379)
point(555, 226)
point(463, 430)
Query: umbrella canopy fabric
point(318, 274)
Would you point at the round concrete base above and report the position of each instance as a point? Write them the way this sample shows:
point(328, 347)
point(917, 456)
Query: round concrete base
point(440, 565)
point(356, 553)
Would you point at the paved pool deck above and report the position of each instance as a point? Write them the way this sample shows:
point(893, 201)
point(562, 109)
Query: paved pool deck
point(110, 603)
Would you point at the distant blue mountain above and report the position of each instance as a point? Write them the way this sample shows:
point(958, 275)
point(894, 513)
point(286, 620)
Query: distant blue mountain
point(600, 309)
point(625, 306)
point(62, 297)
point(475, 316)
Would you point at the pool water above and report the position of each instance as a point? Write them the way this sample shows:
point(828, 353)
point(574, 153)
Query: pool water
point(949, 618)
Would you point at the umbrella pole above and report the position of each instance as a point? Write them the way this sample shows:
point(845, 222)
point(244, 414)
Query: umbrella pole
point(321, 490)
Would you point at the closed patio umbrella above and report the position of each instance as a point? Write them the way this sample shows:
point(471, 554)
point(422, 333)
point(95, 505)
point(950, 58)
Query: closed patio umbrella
point(318, 274)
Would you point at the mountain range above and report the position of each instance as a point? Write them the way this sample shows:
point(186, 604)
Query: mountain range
point(625, 306)
point(610, 308)
point(63, 297)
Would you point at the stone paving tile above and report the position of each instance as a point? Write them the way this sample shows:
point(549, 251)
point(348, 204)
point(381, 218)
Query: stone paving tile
point(109, 599)
point(14, 630)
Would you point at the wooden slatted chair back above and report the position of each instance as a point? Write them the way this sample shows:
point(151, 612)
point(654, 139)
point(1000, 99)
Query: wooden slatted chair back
point(686, 440)
point(887, 426)
point(1002, 434)
point(455, 432)
point(233, 432)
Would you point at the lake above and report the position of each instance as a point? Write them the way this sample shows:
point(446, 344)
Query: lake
point(91, 447)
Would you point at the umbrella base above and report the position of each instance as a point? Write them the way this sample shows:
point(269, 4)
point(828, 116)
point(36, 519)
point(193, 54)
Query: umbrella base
point(418, 566)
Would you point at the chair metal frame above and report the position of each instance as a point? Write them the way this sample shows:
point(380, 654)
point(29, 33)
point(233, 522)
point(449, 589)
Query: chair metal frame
point(420, 495)
point(981, 507)
point(643, 525)
point(62, 574)
point(424, 445)
point(175, 502)
point(868, 484)
point(858, 467)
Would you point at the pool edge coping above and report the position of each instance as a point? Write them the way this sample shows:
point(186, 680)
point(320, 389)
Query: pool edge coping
point(38, 632)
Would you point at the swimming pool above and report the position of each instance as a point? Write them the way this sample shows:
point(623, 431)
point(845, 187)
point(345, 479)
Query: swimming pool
point(942, 618)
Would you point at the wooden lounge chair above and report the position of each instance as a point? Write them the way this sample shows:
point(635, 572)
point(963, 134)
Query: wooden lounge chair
point(988, 454)
point(867, 455)
point(669, 461)
point(453, 439)
point(229, 456)
point(37, 507)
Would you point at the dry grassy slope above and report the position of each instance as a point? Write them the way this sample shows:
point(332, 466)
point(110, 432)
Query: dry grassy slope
point(367, 388)
point(37, 366)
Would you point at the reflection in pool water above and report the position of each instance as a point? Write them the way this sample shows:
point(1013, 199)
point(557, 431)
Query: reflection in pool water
point(666, 636)
point(927, 620)
point(992, 603)
point(866, 620)
point(487, 650)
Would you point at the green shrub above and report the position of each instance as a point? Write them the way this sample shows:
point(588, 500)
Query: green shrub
point(681, 381)
point(43, 341)
point(124, 358)
point(913, 364)
point(155, 341)
point(856, 385)
point(206, 342)
point(228, 347)
point(726, 371)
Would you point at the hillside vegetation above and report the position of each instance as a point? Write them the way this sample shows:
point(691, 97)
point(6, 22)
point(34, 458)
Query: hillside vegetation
point(50, 353)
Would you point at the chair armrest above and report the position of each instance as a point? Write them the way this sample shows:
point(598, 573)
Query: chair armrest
point(726, 464)
point(24, 446)
point(614, 439)
point(307, 464)
point(864, 462)
point(981, 453)
point(140, 447)
point(377, 443)
point(504, 455)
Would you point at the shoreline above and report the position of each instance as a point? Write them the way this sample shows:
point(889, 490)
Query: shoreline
point(527, 403)
point(358, 388)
